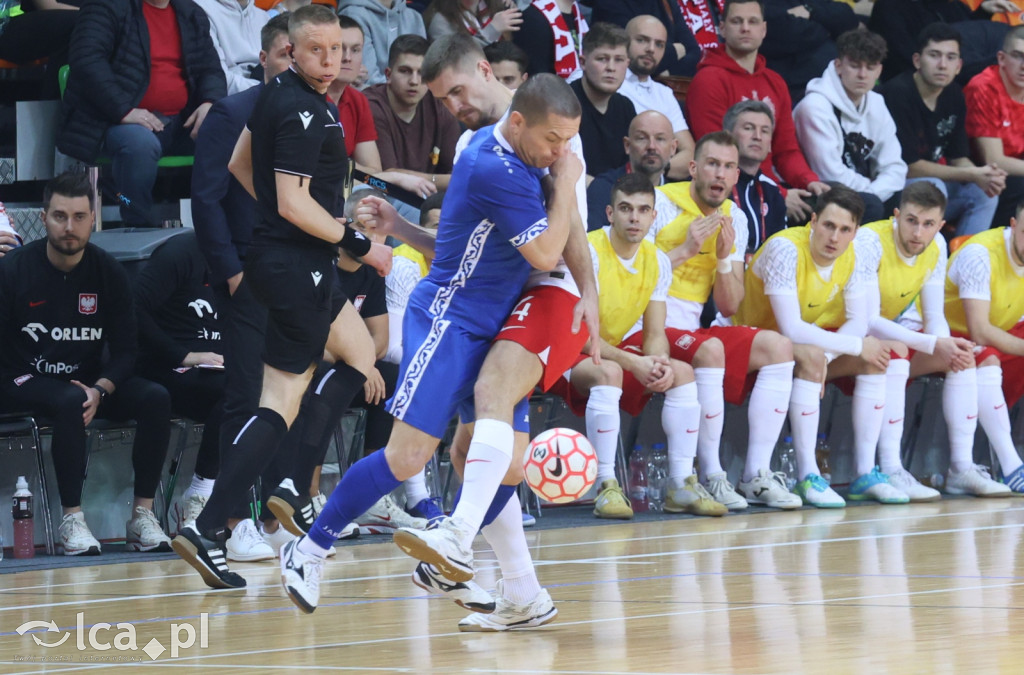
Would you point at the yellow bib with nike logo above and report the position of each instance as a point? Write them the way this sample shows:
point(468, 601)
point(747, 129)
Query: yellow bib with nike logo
point(624, 293)
point(899, 283)
point(821, 302)
point(694, 279)
point(406, 251)
point(1006, 305)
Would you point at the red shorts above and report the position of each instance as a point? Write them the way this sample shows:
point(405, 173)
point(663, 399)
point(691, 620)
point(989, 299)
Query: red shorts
point(737, 340)
point(634, 394)
point(1013, 366)
point(542, 323)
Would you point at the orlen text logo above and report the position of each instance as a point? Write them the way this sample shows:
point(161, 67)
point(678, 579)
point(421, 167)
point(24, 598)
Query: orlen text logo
point(57, 334)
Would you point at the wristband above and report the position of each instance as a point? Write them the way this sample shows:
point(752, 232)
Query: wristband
point(103, 392)
point(724, 266)
point(355, 243)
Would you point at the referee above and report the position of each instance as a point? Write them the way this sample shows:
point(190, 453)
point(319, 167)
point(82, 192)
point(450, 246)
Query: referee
point(291, 157)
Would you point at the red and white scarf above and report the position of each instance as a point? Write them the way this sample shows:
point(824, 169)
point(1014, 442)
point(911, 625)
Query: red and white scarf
point(567, 50)
point(697, 14)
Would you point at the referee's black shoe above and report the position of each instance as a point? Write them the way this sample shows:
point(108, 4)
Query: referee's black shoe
point(207, 557)
point(293, 511)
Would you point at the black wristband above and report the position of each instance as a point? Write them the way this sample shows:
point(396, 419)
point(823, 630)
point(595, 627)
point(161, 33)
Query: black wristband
point(103, 392)
point(355, 243)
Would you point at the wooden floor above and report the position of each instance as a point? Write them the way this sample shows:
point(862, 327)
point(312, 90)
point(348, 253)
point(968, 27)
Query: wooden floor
point(932, 588)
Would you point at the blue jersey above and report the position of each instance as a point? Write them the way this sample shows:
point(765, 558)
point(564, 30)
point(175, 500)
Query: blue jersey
point(494, 205)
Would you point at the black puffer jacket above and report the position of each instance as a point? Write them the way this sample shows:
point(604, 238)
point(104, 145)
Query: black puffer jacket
point(109, 59)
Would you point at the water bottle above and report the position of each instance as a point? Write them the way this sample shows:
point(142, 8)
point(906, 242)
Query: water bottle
point(638, 479)
point(936, 480)
point(823, 454)
point(24, 526)
point(657, 476)
point(787, 461)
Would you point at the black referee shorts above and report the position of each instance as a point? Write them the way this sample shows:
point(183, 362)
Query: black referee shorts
point(299, 288)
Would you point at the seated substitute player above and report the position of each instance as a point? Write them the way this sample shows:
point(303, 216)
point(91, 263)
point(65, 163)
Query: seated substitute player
point(805, 282)
point(906, 262)
point(487, 242)
point(63, 301)
point(633, 278)
point(291, 158)
point(985, 303)
point(698, 226)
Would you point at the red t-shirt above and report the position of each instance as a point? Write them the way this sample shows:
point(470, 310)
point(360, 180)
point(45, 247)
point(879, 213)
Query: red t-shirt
point(356, 118)
point(993, 114)
point(168, 91)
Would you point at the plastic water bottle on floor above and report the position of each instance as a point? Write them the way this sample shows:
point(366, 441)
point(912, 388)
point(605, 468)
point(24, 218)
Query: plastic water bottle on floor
point(24, 525)
point(638, 479)
point(823, 455)
point(787, 461)
point(657, 476)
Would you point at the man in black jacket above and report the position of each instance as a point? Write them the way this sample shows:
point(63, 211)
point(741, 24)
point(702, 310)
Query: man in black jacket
point(143, 75)
point(62, 302)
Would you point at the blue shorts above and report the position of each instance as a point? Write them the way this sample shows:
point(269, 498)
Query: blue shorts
point(440, 364)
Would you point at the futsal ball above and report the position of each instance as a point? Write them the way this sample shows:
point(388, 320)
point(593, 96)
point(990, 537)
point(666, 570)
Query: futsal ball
point(560, 465)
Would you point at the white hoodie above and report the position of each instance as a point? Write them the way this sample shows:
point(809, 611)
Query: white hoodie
point(821, 136)
point(235, 31)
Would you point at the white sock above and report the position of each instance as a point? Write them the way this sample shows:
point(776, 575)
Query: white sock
point(891, 435)
point(603, 423)
point(681, 419)
point(766, 412)
point(710, 383)
point(960, 408)
point(804, 408)
point(310, 547)
point(201, 486)
point(488, 459)
point(995, 418)
point(416, 488)
point(506, 537)
point(868, 413)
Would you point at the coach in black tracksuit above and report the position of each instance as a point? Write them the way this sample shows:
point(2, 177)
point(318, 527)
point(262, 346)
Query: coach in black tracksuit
point(62, 301)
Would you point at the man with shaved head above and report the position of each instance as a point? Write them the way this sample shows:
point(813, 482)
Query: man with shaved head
point(650, 146)
point(647, 39)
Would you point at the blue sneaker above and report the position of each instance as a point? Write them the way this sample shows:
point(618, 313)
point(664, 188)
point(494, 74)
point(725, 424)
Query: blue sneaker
point(428, 509)
point(875, 485)
point(528, 520)
point(1015, 481)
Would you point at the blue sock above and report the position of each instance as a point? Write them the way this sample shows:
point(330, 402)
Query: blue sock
point(501, 497)
point(363, 484)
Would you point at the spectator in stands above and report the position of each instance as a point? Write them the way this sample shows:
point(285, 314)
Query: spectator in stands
point(899, 22)
point(286, 6)
point(682, 51)
point(487, 21)
point(417, 134)
point(929, 110)
point(606, 112)
point(995, 120)
point(144, 74)
point(552, 34)
point(751, 123)
point(42, 30)
point(509, 63)
point(650, 145)
point(738, 72)
point(647, 39)
point(235, 30)
point(9, 237)
point(801, 38)
point(382, 21)
point(844, 128)
point(63, 301)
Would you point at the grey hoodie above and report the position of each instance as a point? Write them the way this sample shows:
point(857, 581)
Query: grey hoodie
point(380, 28)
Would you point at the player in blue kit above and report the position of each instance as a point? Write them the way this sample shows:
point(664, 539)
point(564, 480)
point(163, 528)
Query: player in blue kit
point(494, 229)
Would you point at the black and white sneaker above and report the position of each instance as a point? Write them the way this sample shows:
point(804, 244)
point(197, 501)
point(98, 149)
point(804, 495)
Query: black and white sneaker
point(300, 576)
point(294, 511)
point(468, 595)
point(206, 557)
point(441, 547)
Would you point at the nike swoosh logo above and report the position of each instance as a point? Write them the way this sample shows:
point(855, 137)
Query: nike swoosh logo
point(903, 295)
point(510, 328)
point(557, 471)
point(470, 461)
point(760, 491)
point(36, 303)
point(972, 417)
point(879, 407)
point(1001, 405)
point(711, 417)
point(605, 431)
point(805, 414)
point(813, 306)
point(781, 412)
point(895, 421)
point(692, 431)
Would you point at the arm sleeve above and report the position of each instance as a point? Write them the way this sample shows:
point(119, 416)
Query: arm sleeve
point(162, 275)
point(822, 137)
point(664, 278)
point(399, 283)
point(787, 315)
point(777, 267)
point(933, 296)
point(667, 211)
point(741, 225)
point(971, 271)
point(596, 262)
point(120, 328)
point(91, 50)
point(210, 183)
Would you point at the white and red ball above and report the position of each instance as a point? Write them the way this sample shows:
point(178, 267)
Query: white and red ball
point(560, 465)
